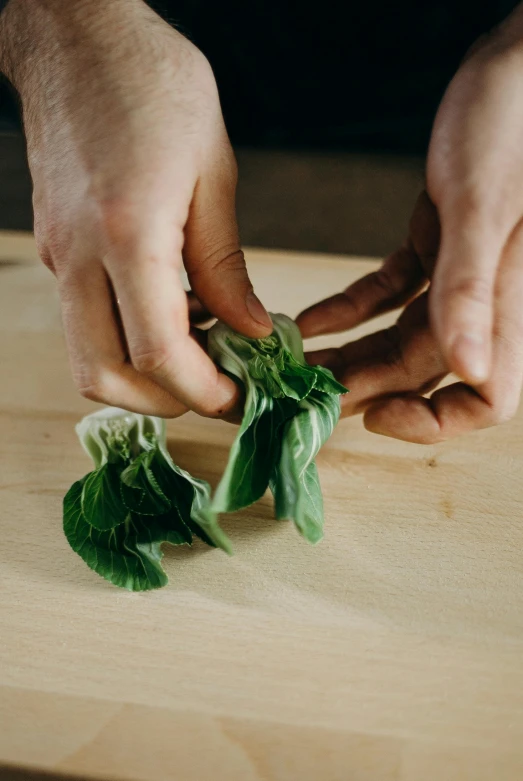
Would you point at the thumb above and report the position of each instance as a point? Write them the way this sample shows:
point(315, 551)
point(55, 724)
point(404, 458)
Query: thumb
point(462, 292)
point(213, 258)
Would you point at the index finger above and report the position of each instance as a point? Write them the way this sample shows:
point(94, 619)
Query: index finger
point(154, 313)
point(393, 285)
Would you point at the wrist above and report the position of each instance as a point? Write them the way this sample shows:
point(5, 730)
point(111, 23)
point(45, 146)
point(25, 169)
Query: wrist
point(34, 34)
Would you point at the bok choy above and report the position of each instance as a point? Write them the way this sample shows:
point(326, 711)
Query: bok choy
point(117, 517)
point(291, 409)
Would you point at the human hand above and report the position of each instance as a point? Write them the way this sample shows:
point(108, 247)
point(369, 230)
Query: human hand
point(132, 172)
point(467, 238)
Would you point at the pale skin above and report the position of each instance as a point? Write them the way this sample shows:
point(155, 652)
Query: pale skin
point(134, 178)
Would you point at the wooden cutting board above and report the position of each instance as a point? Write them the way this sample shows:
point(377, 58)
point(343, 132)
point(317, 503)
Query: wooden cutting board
point(393, 651)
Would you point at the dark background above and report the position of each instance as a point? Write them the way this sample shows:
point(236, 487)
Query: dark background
point(349, 75)
point(329, 106)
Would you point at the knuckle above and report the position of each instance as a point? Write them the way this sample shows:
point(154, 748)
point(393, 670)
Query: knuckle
point(472, 288)
point(470, 210)
point(229, 260)
point(386, 282)
point(126, 237)
point(467, 203)
point(39, 235)
point(228, 168)
point(503, 409)
point(94, 387)
point(46, 257)
point(58, 235)
point(203, 73)
point(356, 303)
point(151, 360)
point(427, 386)
point(221, 164)
point(226, 258)
point(118, 220)
point(471, 202)
point(54, 247)
point(334, 360)
point(392, 343)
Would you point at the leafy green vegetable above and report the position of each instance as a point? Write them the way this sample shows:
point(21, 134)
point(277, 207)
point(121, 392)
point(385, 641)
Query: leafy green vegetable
point(118, 516)
point(291, 409)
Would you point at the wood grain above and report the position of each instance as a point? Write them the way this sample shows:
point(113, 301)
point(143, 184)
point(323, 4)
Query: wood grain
point(390, 652)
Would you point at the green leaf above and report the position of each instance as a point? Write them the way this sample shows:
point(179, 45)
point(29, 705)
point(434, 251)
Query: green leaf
point(190, 498)
point(254, 451)
point(297, 379)
point(327, 383)
point(128, 555)
point(140, 489)
point(102, 504)
point(294, 481)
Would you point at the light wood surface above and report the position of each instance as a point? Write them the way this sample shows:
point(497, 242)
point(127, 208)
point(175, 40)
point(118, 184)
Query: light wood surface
point(393, 651)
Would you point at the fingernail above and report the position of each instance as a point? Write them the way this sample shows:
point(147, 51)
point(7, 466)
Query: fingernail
point(470, 353)
point(258, 311)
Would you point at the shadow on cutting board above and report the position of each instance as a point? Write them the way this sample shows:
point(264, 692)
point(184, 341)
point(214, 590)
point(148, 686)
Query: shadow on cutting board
point(9, 773)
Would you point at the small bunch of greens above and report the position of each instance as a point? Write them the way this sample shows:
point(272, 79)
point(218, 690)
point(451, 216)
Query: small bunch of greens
point(291, 409)
point(117, 517)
